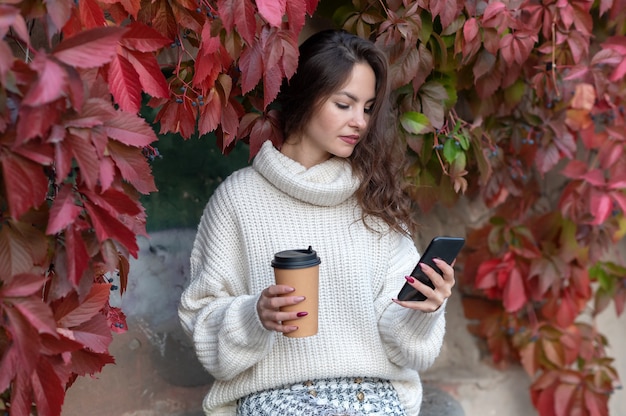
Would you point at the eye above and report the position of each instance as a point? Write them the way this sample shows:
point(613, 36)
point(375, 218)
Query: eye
point(342, 106)
point(367, 110)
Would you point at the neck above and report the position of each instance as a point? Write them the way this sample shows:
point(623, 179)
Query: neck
point(297, 150)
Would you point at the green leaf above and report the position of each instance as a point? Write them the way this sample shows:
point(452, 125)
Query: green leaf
point(414, 122)
point(451, 150)
point(463, 141)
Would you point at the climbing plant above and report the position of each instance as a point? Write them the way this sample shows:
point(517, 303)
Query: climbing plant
point(517, 105)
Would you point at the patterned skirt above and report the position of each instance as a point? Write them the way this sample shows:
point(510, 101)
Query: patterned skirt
point(326, 397)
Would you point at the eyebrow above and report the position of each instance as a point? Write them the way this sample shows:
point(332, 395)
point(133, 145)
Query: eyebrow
point(353, 97)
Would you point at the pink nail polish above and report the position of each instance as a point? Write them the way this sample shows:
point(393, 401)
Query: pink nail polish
point(409, 279)
point(301, 314)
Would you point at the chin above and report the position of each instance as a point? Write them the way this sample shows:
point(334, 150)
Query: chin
point(344, 152)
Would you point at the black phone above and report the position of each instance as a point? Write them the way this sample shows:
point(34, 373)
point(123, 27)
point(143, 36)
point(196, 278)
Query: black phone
point(444, 248)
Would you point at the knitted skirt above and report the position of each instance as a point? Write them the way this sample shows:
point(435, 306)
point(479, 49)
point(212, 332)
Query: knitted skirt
point(326, 397)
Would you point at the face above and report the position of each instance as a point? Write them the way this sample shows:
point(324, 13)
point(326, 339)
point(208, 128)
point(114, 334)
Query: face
point(339, 123)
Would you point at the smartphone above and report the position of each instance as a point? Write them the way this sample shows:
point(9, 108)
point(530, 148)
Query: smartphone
point(444, 248)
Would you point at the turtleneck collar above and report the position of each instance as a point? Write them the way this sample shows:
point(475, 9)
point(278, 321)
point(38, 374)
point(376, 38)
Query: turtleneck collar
point(326, 184)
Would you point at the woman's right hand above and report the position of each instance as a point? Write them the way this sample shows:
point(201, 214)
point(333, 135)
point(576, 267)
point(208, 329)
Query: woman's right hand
point(269, 304)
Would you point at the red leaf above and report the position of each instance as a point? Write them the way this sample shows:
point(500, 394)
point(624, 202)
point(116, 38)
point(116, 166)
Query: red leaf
point(514, 296)
point(59, 11)
point(207, 70)
point(133, 166)
point(287, 56)
point(91, 15)
point(41, 153)
point(63, 211)
point(48, 389)
point(69, 312)
point(210, 113)
point(117, 203)
point(496, 16)
point(229, 125)
point(85, 154)
point(94, 113)
point(547, 158)
point(51, 82)
point(94, 334)
point(36, 121)
point(21, 285)
point(86, 362)
point(272, 11)
point(311, 5)
point(107, 172)
point(10, 17)
point(25, 183)
point(446, 10)
point(600, 206)
point(124, 84)
point(575, 169)
point(22, 247)
point(596, 403)
point(90, 49)
point(143, 38)
point(23, 352)
point(563, 395)
point(131, 6)
point(130, 129)
point(177, 118)
point(272, 80)
point(296, 15)
point(486, 275)
point(62, 161)
point(36, 313)
point(77, 256)
point(109, 227)
point(263, 129)
point(150, 76)
point(240, 14)
point(251, 65)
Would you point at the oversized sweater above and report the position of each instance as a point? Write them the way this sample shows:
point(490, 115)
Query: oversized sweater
point(274, 205)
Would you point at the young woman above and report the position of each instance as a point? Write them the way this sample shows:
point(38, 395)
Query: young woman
point(335, 185)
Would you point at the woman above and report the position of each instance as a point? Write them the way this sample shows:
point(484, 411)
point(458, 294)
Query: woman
point(333, 185)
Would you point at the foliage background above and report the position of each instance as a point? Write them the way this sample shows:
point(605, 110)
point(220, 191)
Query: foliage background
point(518, 104)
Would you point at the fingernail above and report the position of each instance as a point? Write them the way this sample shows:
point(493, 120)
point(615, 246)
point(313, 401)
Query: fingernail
point(301, 314)
point(409, 279)
point(300, 298)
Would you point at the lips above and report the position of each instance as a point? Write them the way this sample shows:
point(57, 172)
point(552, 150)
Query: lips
point(352, 140)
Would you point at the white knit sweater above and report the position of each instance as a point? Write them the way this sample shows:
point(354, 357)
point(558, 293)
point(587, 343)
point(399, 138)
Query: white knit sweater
point(276, 205)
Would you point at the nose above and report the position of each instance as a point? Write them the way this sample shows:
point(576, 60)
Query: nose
point(359, 120)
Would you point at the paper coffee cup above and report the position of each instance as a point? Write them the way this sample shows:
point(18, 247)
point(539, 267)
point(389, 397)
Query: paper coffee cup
point(300, 270)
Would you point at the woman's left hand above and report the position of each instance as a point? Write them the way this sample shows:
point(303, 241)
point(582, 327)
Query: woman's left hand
point(434, 297)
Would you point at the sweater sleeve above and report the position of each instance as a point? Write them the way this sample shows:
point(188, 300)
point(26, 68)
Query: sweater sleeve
point(412, 338)
point(216, 310)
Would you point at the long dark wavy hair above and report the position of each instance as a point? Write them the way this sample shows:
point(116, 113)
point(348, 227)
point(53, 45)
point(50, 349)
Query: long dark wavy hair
point(325, 63)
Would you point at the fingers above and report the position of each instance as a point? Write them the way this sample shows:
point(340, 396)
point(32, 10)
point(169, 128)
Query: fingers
point(435, 297)
point(269, 306)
